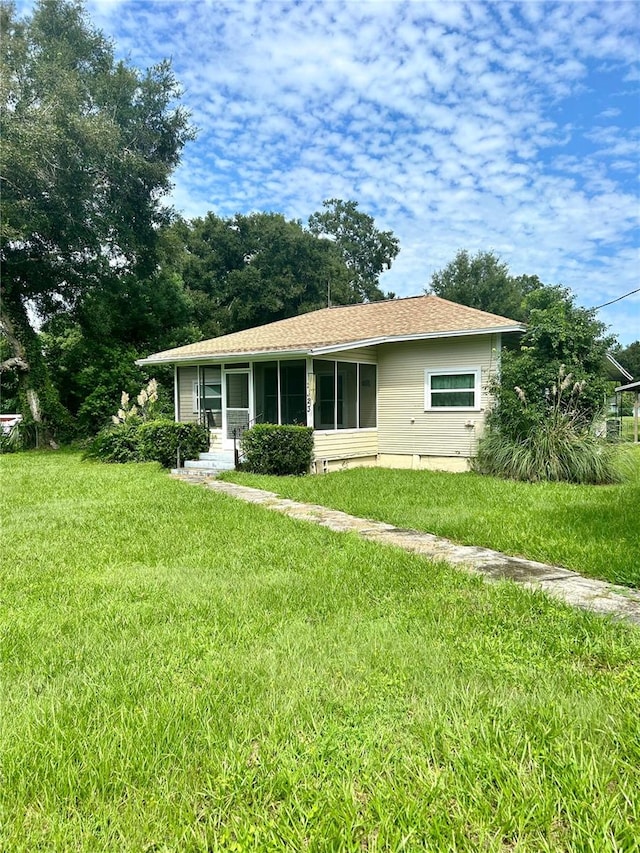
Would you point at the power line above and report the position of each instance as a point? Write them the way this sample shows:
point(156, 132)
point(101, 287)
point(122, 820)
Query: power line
point(624, 296)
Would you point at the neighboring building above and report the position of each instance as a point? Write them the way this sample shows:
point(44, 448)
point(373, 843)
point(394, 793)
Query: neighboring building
point(633, 388)
point(400, 383)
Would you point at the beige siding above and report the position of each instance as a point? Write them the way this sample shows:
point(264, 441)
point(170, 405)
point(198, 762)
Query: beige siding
point(345, 444)
point(404, 427)
point(365, 354)
point(186, 377)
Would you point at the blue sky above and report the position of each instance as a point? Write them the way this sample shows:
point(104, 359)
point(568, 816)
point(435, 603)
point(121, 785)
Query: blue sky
point(484, 126)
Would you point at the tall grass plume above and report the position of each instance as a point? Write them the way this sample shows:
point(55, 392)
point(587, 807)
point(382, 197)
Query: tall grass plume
point(559, 445)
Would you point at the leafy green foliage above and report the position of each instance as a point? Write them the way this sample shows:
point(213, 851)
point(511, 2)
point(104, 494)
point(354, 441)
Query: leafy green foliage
point(555, 451)
point(90, 144)
point(166, 441)
point(271, 449)
point(560, 337)
point(365, 250)
point(88, 147)
point(117, 443)
point(248, 270)
point(629, 358)
point(91, 351)
point(484, 282)
point(151, 441)
point(16, 439)
point(548, 439)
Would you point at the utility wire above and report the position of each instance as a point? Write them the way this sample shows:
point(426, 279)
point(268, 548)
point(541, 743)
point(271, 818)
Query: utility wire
point(624, 296)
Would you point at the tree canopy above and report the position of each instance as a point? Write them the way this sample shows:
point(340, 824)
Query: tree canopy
point(561, 338)
point(365, 250)
point(483, 281)
point(88, 145)
point(629, 358)
point(253, 269)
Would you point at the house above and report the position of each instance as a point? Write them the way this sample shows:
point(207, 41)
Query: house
point(400, 383)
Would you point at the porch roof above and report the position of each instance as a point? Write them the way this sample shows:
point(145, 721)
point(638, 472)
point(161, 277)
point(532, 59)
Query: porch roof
point(346, 327)
point(632, 386)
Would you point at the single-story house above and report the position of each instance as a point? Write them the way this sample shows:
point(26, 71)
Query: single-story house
point(399, 383)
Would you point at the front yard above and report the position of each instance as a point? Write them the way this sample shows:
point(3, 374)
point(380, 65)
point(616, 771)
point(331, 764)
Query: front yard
point(181, 671)
point(594, 530)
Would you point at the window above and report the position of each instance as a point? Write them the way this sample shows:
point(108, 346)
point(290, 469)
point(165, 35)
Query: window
point(293, 392)
point(281, 392)
point(324, 411)
point(265, 377)
point(345, 395)
point(211, 396)
point(367, 396)
point(452, 389)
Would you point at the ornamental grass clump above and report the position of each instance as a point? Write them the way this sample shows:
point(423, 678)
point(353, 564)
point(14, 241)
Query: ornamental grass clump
point(144, 411)
point(560, 443)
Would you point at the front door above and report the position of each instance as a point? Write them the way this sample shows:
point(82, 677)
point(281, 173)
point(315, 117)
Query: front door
point(237, 415)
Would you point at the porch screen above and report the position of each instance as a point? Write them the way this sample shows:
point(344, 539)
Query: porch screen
point(324, 411)
point(280, 392)
point(265, 377)
point(345, 395)
point(293, 392)
point(211, 396)
point(367, 396)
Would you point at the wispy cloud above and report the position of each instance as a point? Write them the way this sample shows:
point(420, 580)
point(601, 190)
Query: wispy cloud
point(512, 127)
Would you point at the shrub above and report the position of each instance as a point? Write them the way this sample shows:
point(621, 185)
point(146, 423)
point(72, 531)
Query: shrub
point(160, 440)
point(559, 443)
point(117, 443)
point(153, 441)
point(271, 449)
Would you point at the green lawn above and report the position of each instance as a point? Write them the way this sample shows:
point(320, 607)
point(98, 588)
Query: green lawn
point(594, 530)
point(185, 672)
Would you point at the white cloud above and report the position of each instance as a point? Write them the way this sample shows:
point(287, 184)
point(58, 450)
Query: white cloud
point(511, 127)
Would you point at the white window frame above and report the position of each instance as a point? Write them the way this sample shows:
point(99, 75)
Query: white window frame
point(453, 371)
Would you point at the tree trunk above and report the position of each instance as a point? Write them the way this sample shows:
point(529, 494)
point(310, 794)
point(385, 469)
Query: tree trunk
point(39, 401)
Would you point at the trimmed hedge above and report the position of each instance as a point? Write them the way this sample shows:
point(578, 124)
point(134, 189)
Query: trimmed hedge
point(160, 440)
point(282, 450)
point(152, 441)
point(117, 443)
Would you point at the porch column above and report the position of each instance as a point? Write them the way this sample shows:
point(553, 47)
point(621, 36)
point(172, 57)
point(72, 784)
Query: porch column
point(311, 391)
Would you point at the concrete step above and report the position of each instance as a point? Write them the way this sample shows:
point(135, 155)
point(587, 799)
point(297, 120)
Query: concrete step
point(209, 465)
point(217, 456)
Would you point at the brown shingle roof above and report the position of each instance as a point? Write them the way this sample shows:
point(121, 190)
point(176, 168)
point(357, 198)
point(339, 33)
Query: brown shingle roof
point(416, 316)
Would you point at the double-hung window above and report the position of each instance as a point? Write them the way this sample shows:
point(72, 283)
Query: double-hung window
point(457, 388)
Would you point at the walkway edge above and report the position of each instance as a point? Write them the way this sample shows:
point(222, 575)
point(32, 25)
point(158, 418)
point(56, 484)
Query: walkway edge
point(564, 584)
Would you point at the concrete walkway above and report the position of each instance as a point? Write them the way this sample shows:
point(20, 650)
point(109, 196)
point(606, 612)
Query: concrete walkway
point(570, 587)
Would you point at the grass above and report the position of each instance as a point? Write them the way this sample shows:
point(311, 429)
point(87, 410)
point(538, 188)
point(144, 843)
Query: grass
point(594, 530)
point(183, 672)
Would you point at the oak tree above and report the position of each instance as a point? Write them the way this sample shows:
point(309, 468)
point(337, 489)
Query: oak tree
point(88, 145)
